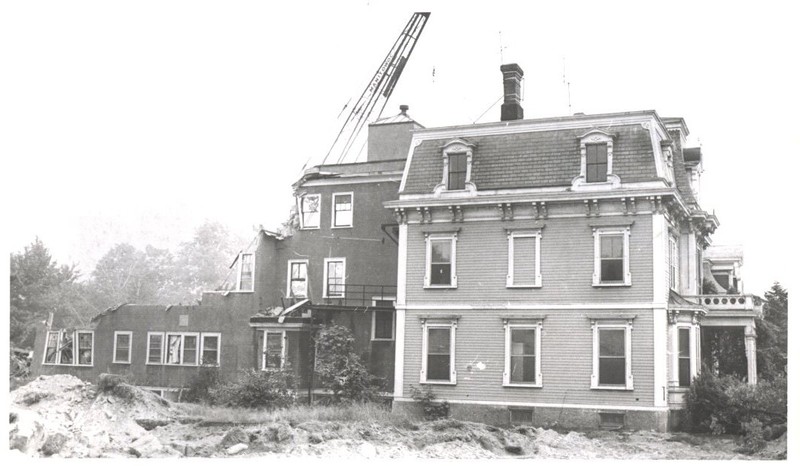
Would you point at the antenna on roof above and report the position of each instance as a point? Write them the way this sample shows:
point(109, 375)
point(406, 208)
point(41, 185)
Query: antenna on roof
point(501, 47)
point(567, 84)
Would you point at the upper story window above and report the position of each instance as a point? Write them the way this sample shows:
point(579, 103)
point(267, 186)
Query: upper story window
point(309, 210)
point(69, 348)
point(334, 277)
point(342, 210)
point(597, 156)
point(674, 277)
point(297, 282)
point(611, 256)
point(245, 281)
point(456, 168)
point(524, 269)
point(440, 259)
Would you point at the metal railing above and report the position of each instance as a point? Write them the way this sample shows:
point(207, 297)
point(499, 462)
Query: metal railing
point(351, 295)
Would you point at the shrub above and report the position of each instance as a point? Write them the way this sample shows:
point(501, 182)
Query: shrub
point(431, 408)
point(200, 384)
point(257, 389)
point(340, 369)
point(727, 405)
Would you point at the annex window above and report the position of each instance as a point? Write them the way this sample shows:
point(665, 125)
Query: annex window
point(155, 348)
point(522, 355)
point(441, 261)
point(334, 278)
point(456, 167)
point(611, 368)
point(182, 349)
point(685, 369)
point(611, 257)
point(524, 268)
point(382, 325)
point(596, 163)
point(246, 272)
point(274, 350)
point(438, 353)
point(69, 348)
point(674, 277)
point(209, 349)
point(298, 279)
point(309, 210)
point(342, 210)
point(122, 347)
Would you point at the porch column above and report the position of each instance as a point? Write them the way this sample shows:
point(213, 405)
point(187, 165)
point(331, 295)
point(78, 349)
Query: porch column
point(750, 351)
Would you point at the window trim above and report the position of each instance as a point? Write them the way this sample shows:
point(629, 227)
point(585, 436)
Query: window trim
point(203, 336)
point(673, 255)
point(75, 348)
point(283, 335)
point(456, 146)
point(599, 232)
point(597, 325)
point(130, 346)
point(694, 342)
point(333, 209)
point(394, 325)
point(300, 211)
point(537, 328)
point(426, 325)
point(183, 336)
point(239, 266)
point(326, 261)
point(429, 238)
point(512, 235)
point(289, 277)
point(596, 136)
point(161, 349)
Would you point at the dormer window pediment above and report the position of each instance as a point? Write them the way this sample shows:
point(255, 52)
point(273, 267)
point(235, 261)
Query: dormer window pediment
point(456, 169)
point(597, 157)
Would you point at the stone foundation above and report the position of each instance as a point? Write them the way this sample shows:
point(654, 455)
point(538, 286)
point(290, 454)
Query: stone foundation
point(569, 418)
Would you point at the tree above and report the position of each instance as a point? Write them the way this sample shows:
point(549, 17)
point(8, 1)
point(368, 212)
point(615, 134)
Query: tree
point(127, 275)
point(772, 330)
point(339, 367)
point(203, 263)
point(38, 286)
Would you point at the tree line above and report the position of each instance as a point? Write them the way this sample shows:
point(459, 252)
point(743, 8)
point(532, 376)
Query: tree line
point(125, 274)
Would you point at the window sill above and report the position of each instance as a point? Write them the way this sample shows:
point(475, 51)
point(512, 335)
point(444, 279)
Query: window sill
point(339, 227)
point(120, 362)
point(524, 286)
point(523, 385)
point(66, 365)
point(440, 287)
point(383, 339)
point(241, 291)
point(309, 228)
point(610, 285)
point(436, 382)
point(612, 387)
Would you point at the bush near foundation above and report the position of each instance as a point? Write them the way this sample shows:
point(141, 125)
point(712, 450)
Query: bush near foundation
point(340, 369)
point(257, 389)
point(200, 384)
point(431, 407)
point(726, 405)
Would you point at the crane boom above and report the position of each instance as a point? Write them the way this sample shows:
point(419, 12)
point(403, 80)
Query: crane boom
point(377, 92)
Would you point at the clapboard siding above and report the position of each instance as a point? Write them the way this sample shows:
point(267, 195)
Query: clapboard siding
point(567, 265)
point(566, 359)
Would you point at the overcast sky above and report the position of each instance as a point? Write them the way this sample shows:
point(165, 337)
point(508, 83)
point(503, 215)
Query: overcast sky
point(136, 121)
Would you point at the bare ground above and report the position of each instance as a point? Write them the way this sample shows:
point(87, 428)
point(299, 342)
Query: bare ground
point(61, 416)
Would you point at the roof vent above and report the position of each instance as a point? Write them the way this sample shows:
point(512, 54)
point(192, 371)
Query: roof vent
point(403, 109)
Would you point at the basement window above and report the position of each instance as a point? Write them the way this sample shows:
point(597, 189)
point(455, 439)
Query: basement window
point(612, 420)
point(520, 416)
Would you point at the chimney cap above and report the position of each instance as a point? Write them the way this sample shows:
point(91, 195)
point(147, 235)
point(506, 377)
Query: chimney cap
point(511, 67)
point(403, 109)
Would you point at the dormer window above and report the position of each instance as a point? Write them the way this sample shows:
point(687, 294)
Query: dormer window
point(597, 157)
point(456, 168)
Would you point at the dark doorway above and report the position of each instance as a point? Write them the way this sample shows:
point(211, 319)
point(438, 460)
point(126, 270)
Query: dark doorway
point(723, 352)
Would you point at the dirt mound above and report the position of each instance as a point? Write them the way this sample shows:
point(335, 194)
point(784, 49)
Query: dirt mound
point(60, 415)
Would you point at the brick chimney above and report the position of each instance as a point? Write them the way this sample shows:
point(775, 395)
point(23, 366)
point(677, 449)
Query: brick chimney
point(512, 92)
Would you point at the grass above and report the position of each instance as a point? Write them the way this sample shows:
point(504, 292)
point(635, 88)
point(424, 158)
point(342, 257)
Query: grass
point(370, 413)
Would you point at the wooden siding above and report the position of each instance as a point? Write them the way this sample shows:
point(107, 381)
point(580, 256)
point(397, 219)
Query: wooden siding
point(567, 265)
point(566, 359)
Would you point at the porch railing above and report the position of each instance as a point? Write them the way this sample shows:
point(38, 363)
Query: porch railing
point(725, 302)
point(352, 295)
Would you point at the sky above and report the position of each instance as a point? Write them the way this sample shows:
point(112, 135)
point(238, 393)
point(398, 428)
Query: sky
point(137, 121)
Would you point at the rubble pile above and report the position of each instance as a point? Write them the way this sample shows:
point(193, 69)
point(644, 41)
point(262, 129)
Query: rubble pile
point(62, 416)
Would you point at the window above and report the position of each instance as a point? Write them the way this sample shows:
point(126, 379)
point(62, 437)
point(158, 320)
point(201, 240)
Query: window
point(122, 347)
point(246, 272)
point(523, 259)
point(298, 279)
point(611, 266)
point(274, 350)
point(309, 211)
point(438, 353)
point(209, 349)
point(61, 347)
point(673, 263)
point(522, 361)
point(155, 348)
point(457, 168)
point(684, 357)
point(382, 325)
point(441, 261)
point(611, 368)
point(342, 210)
point(182, 349)
point(334, 278)
point(596, 163)
point(456, 172)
